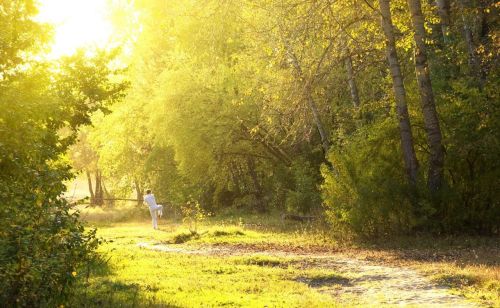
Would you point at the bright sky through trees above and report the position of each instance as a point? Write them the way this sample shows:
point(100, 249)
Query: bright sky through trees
point(77, 23)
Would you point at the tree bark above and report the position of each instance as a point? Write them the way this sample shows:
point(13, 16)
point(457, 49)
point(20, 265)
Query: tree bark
point(444, 16)
point(106, 193)
point(352, 82)
point(407, 146)
point(325, 143)
point(235, 175)
point(257, 188)
point(322, 133)
point(139, 192)
point(98, 192)
point(431, 121)
point(273, 149)
point(469, 38)
point(91, 189)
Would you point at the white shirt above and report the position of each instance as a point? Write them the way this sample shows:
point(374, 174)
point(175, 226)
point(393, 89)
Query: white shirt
point(150, 200)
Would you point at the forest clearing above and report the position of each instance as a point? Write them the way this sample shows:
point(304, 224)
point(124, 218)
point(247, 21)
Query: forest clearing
point(247, 262)
point(250, 153)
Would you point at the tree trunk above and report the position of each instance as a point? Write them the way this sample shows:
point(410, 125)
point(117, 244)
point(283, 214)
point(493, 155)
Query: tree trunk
point(235, 175)
point(310, 102)
point(91, 189)
point(352, 82)
point(444, 16)
point(257, 188)
point(273, 149)
point(469, 38)
point(431, 121)
point(407, 146)
point(98, 188)
point(107, 194)
point(139, 192)
point(317, 120)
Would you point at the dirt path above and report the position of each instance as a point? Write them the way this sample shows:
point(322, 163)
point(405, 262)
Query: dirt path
point(368, 283)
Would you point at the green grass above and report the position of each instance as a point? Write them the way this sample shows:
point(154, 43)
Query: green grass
point(136, 277)
point(140, 277)
point(479, 283)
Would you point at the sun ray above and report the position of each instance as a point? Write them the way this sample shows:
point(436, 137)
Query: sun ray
point(77, 23)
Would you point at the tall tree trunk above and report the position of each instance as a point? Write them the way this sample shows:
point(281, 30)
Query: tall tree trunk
point(407, 146)
point(139, 192)
point(431, 121)
point(444, 16)
point(350, 77)
point(91, 189)
point(468, 22)
point(98, 188)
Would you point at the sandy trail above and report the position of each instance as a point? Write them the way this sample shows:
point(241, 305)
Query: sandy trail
point(369, 283)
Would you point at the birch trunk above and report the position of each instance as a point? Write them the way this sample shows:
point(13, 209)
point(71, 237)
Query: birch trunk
point(469, 38)
point(407, 146)
point(431, 121)
point(444, 16)
point(322, 133)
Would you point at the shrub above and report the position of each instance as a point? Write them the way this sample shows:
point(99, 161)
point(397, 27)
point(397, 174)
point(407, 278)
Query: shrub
point(367, 192)
point(42, 243)
point(305, 196)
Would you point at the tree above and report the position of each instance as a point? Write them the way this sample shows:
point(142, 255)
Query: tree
point(431, 119)
point(409, 156)
point(444, 16)
point(241, 104)
point(42, 241)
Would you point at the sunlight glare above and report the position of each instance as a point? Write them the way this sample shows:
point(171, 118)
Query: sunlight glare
point(77, 23)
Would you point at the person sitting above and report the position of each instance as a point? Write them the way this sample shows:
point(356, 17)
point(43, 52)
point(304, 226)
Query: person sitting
point(156, 210)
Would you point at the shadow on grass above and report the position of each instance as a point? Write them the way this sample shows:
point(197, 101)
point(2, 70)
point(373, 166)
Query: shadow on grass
point(97, 289)
point(218, 233)
point(465, 250)
point(264, 261)
point(327, 280)
point(456, 280)
point(183, 237)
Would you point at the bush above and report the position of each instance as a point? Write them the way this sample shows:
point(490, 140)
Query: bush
point(471, 202)
point(304, 196)
point(42, 243)
point(367, 192)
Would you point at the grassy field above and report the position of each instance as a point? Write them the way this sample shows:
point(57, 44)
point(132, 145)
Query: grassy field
point(131, 276)
point(138, 277)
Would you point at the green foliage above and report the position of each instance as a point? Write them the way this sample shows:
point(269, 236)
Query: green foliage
point(183, 237)
point(227, 98)
point(473, 161)
point(305, 196)
point(367, 190)
point(193, 214)
point(42, 242)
